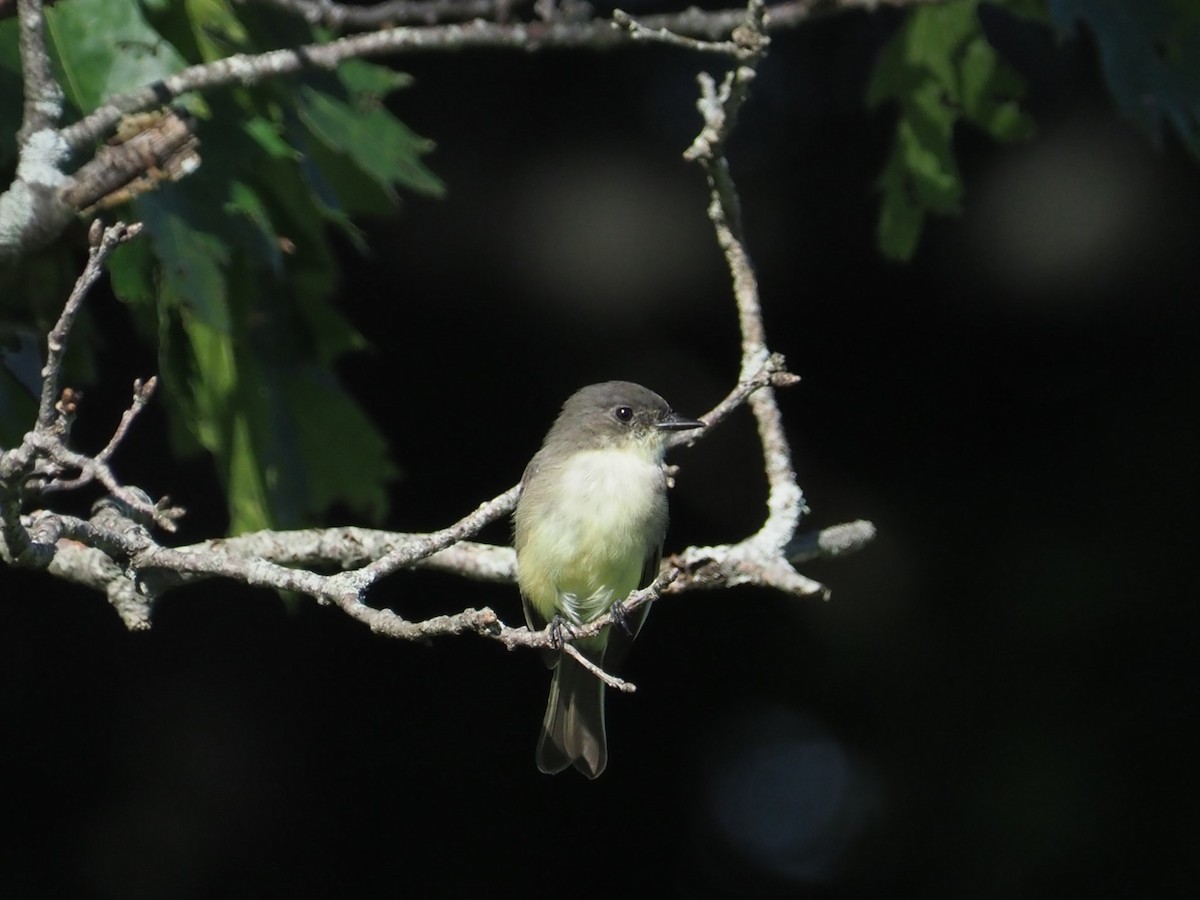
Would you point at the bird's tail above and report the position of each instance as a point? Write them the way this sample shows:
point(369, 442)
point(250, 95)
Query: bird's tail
point(573, 730)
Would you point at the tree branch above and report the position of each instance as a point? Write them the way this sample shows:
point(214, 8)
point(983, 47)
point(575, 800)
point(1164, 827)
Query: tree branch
point(114, 551)
point(706, 29)
point(424, 546)
point(31, 212)
point(339, 16)
point(761, 558)
point(149, 149)
point(43, 96)
point(693, 22)
point(43, 200)
point(50, 415)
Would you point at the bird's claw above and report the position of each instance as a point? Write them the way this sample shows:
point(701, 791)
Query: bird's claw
point(559, 626)
point(620, 617)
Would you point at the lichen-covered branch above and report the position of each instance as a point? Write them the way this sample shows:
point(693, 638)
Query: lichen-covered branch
point(340, 16)
point(43, 96)
point(761, 558)
point(693, 22)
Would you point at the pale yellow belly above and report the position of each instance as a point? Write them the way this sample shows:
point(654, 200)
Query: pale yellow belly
point(589, 549)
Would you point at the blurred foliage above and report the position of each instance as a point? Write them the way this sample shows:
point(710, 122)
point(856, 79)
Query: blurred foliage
point(940, 69)
point(235, 275)
point(1150, 55)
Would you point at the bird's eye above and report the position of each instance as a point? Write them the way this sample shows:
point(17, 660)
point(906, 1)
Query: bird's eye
point(623, 413)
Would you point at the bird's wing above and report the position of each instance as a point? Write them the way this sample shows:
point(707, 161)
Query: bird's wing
point(620, 640)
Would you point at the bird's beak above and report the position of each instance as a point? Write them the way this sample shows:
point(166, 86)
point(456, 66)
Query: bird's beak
point(673, 422)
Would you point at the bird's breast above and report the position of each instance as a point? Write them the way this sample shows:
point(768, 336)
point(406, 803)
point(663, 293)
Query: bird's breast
point(603, 515)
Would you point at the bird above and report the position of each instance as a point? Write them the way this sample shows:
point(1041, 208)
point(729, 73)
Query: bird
point(588, 529)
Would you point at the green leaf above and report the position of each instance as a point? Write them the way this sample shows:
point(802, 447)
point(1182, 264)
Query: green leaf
point(249, 365)
point(317, 446)
point(246, 484)
point(235, 273)
point(924, 143)
point(245, 203)
point(301, 218)
point(1150, 53)
point(216, 29)
point(105, 47)
point(298, 442)
point(130, 270)
point(901, 217)
point(176, 282)
point(990, 93)
point(320, 181)
point(191, 259)
point(350, 469)
point(211, 387)
point(372, 138)
point(269, 138)
point(342, 188)
point(336, 336)
point(934, 36)
point(940, 70)
point(370, 81)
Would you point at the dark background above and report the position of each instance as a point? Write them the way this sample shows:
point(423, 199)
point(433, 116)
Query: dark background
point(999, 700)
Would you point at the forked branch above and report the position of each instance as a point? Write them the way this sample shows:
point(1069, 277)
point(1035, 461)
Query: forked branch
point(115, 550)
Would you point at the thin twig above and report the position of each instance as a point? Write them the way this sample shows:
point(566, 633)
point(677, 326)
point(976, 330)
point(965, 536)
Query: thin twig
point(89, 469)
point(359, 580)
point(102, 243)
point(142, 392)
point(45, 444)
point(641, 32)
point(352, 547)
point(611, 680)
point(831, 542)
point(772, 372)
point(719, 108)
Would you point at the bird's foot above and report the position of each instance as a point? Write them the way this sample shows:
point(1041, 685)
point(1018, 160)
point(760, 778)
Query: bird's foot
point(558, 627)
point(620, 617)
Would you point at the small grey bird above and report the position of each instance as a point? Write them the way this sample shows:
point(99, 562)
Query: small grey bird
point(589, 528)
